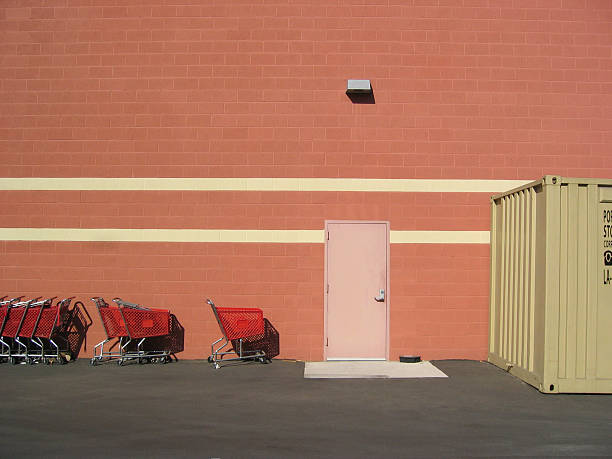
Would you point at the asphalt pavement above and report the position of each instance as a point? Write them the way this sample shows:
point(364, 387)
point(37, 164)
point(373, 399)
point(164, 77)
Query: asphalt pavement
point(188, 409)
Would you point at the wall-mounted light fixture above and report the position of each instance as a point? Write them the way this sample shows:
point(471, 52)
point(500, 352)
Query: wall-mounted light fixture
point(358, 87)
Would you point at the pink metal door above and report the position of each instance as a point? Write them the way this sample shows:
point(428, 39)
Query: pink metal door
point(356, 290)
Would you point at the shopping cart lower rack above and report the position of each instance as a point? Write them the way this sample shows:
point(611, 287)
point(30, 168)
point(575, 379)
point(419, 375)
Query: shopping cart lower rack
point(127, 327)
point(251, 335)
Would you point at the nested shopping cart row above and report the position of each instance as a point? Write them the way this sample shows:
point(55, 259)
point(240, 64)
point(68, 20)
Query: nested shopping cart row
point(39, 330)
point(128, 326)
point(48, 330)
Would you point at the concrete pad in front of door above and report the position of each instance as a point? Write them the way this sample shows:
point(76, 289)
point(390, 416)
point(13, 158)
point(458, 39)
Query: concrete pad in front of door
point(338, 369)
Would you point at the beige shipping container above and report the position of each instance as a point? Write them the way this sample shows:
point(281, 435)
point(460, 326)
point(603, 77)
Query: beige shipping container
point(551, 284)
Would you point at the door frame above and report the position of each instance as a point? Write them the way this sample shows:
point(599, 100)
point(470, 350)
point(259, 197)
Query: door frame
point(388, 279)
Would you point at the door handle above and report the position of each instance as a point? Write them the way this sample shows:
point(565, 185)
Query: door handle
point(381, 296)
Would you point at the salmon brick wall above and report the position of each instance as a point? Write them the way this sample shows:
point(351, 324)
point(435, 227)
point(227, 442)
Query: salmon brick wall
point(439, 300)
point(284, 280)
point(241, 209)
point(439, 293)
point(478, 89)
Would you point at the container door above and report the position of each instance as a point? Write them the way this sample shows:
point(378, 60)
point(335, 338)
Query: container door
point(357, 297)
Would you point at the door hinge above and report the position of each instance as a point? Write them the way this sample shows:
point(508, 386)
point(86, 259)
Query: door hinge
point(327, 289)
point(327, 342)
point(327, 235)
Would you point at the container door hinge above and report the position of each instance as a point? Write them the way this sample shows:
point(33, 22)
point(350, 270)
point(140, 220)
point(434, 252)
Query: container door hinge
point(327, 342)
point(327, 289)
point(327, 235)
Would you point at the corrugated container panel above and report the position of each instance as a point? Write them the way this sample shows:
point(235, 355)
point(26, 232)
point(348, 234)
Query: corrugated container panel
point(515, 327)
point(551, 309)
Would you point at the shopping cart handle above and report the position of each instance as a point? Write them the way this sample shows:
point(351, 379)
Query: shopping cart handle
point(46, 302)
point(25, 303)
point(99, 302)
point(11, 301)
point(126, 304)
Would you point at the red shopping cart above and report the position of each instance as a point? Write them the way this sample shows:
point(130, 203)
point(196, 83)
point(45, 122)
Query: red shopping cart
point(14, 317)
point(142, 323)
point(115, 330)
point(24, 338)
point(246, 329)
point(6, 342)
point(127, 327)
point(51, 335)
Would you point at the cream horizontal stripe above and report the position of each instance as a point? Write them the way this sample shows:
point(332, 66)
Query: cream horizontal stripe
point(207, 235)
point(262, 184)
point(440, 237)
point(160, 235)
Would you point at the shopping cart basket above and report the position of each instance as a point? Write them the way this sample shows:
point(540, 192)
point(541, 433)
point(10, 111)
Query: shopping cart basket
point(50, 336)
point(114, 328)
point(6, 343)
point(74, 333)
point(127, 326)
point(14, 317)
point(245, 328)
point(24, 338)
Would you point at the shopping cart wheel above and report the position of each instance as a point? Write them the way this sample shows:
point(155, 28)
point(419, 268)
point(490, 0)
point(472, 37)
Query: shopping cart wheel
point(120, 362)
point(216, 366)
point(93, 362)
point(13, 360)
point(210, 359)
